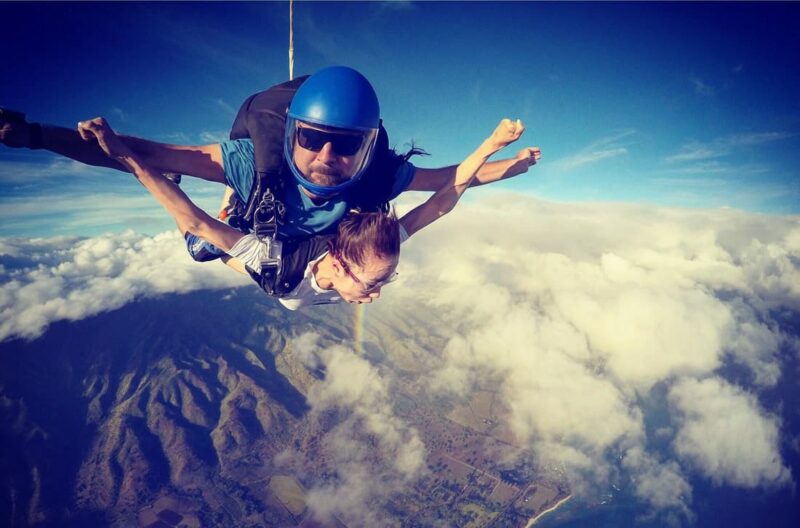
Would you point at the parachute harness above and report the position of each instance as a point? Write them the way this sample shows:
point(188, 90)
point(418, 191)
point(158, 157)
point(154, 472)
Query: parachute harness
point(265, 226)
point(267, 213)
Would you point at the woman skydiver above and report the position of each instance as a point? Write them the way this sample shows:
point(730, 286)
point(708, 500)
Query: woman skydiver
point(352, 265)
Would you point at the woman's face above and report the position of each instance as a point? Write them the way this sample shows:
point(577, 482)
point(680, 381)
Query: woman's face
point(362, 284)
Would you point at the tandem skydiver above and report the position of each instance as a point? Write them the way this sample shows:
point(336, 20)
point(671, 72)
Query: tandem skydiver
point(352, 265)
point(332, 150)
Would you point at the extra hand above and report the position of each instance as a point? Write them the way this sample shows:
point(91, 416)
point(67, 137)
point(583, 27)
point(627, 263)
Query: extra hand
point(108, 140)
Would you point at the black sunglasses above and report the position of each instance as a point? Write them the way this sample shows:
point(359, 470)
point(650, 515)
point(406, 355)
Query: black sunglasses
point(343, 144)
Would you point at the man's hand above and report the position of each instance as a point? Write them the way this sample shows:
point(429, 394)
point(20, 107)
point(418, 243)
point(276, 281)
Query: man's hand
point(507, 132)
point(526, 158)
point(108, 140)
point(529, 155)
point(14, 129)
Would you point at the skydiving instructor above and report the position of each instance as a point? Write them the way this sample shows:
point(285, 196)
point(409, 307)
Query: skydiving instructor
point(333, 151)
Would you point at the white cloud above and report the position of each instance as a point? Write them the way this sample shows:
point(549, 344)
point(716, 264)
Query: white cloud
point(593, 156)
point(371, 451)
point(226, 107)
point(726, 434)
point(69, 278)
point(102, 205)
point(702, 88)
point(724, 146)
point(756, 138)
point(22, 172)
point(663, 484)
point(178, 138)
point(118, 113)
point(755, 344)
point(576, 312)
point(601, 149)
point(103, 199)
point(580, 316)
point(217, 136)
point(696, 151)
point(392, 6)
point(702, 183)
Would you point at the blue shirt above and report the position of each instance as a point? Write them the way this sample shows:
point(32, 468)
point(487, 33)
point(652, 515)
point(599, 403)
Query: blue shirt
point(303, 217)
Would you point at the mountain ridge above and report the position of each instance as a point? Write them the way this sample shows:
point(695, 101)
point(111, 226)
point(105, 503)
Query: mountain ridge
point(167, 410)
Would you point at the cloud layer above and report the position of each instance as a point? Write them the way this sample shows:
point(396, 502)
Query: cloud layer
point(586, 313)
point(725, 146)
point(69, 278)
point(371, 453)
point(608, 330)
point(726, 435)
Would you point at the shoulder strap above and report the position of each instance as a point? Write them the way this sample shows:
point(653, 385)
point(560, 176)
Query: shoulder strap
point(274, 99)
point(262, 118)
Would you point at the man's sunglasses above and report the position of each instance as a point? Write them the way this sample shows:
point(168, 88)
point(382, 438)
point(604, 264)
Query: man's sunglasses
point(343, 144)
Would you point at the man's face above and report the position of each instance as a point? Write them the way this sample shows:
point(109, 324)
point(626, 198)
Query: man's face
point(325, 155)
point(362, 284)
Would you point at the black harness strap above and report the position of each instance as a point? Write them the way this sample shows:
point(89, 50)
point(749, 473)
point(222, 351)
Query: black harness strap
point(268, 214)
point(264, 213)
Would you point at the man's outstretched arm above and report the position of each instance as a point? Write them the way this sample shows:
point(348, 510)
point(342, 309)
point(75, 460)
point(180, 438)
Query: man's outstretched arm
point(434, 179)
point(203, 161)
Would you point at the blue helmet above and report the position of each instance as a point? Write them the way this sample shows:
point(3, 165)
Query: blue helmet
point(339, 100)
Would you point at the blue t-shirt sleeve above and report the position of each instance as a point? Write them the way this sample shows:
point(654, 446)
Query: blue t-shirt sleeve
point(402, 179)
point(238, 162)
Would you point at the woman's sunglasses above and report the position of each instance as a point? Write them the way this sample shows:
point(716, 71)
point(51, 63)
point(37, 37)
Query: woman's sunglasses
point(343, 144)
point(367, 287)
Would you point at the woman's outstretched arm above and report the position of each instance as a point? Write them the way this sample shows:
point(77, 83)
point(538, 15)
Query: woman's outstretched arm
point(187, 215)
point(445, 199)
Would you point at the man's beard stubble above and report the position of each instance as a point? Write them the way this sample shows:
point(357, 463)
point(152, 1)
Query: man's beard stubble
point(321, 174)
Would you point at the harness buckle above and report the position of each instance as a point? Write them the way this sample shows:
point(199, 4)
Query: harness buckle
point(267, 215)
point(271, 255)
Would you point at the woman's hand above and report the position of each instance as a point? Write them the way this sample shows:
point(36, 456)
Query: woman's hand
point(108, 140)
point(507, 132)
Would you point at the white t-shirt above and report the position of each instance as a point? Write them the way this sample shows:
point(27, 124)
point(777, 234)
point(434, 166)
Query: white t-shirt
point(250, 251)
point(308, 292)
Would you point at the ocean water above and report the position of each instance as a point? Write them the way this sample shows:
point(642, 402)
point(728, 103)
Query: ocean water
point(712, 506)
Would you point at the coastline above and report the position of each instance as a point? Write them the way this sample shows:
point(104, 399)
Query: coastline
point(554, 507)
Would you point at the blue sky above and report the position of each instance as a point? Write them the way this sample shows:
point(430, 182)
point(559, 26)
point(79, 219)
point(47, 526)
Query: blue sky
point(683, 104)
point(637, 105)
